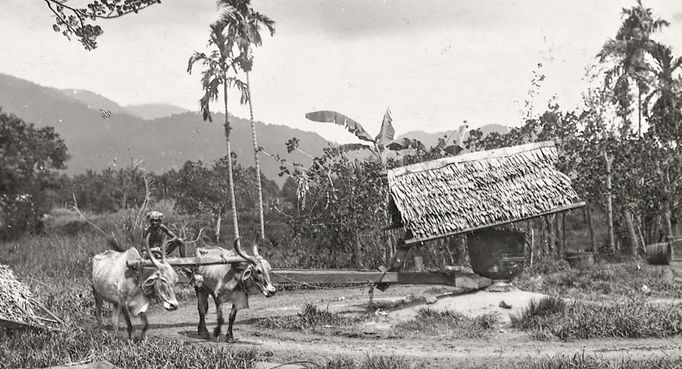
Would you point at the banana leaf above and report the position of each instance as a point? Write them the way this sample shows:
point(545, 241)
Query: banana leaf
point(387, 132)
point(327, 116)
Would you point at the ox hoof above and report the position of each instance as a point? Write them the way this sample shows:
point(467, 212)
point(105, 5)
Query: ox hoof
point(230, 339)
point(203, 334)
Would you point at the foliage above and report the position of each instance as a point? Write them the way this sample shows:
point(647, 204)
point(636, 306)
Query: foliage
point(29, 160)
point(628, 318)
point(80, 22)
point(340, 202)
point(454, 324)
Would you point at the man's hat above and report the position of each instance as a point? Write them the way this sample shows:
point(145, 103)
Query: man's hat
point(154, 215)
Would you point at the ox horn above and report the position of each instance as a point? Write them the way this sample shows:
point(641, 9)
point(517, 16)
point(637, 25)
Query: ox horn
point(240, 252)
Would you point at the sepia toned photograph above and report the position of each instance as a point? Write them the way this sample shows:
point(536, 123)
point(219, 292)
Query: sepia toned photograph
point(341, 184)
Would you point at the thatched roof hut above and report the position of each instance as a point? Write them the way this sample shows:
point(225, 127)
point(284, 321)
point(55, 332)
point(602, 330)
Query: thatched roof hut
point(477, 190)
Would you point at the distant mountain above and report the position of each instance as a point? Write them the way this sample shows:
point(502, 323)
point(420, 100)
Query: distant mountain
point(154, 111)
point(94, 100)
point(431, 139)
point(163, 144)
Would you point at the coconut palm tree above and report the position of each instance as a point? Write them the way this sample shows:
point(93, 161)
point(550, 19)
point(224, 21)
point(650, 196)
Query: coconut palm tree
point(628, 49)
point(217, 65)
point(244, 25)
point(665, 92)
point(665, 117)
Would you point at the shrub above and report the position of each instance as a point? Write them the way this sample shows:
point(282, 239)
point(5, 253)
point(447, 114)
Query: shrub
point(310, 318)
point(431, 322)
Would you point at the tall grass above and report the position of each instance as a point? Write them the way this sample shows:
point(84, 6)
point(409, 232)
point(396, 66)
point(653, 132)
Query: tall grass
point(631, 318)
point(39, 350)
point(576, 361)
point(309, 318)
point(374, 362)
point(431, 322)
point(602, 281)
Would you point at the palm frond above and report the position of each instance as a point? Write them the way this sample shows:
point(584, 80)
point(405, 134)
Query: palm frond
point(241, 86)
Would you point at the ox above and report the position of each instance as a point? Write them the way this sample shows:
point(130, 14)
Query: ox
point(230, 283)
point(128, 290)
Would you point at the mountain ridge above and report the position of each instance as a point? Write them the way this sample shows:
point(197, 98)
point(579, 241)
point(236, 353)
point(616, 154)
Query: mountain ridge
point(97, 141)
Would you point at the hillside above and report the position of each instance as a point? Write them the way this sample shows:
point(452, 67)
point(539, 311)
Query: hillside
point(154, 111)
point(163, 144)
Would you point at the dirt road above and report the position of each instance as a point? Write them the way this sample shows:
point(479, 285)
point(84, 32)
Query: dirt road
point(372, 338)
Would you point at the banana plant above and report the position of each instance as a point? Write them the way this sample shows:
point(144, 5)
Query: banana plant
point(384, 140)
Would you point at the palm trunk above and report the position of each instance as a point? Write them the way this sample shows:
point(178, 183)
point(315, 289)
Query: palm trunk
point(632, 235)
point(639, 111)
point(609, 203)
point(230, 179)
point(255, 154)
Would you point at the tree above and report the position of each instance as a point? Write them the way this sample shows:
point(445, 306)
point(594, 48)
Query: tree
point(244, 24)
point(79, 22)
point(217, 65)
point(628, 50)
point(29, 161)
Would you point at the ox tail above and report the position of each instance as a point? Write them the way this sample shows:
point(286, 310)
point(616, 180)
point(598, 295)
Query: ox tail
point(113, 244)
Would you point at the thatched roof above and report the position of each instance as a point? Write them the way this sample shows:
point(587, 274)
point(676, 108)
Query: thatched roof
point(477, 190)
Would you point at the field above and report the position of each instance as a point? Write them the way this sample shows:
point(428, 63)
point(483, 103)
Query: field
point(598, 318)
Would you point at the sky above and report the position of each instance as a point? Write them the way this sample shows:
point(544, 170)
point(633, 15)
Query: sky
point(435, 63)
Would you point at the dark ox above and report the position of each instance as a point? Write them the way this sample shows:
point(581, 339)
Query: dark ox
point(230, 283)
point(129, 292)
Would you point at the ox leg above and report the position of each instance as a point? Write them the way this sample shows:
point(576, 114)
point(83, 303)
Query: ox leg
point(129, 324)
point(202, 306)
point(98, 308)
point(229, 337)
point(145, 323)
point(114, 318)
point(221, 320)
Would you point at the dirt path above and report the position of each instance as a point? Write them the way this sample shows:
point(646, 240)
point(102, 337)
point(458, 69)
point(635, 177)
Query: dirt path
point(439, 352)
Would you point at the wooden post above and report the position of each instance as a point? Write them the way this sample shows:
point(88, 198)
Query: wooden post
point(609, 204)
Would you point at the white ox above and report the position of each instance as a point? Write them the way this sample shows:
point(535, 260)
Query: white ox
point(230, 283)
point(129, 292)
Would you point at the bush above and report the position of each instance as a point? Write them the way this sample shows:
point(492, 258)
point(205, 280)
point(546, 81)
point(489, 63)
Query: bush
point(310, 318)
point(431, 322)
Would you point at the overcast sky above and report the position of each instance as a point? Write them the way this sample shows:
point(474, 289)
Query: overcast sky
point(434, 62)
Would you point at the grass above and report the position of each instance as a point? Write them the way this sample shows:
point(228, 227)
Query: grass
point(434, 323)
point(627, 318)
point(563, 361)
point(39, 350)
point(374, 362)
point(311, 318)
point(57, 269)
point(602, 281)
point(582, 361)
